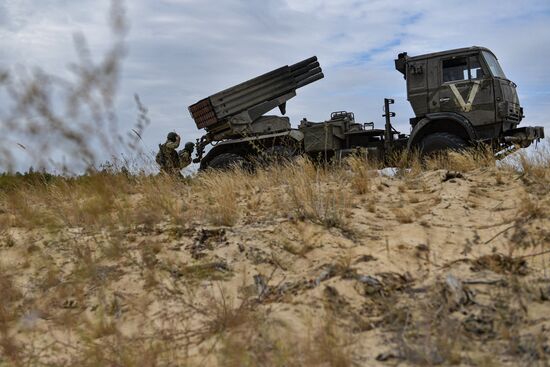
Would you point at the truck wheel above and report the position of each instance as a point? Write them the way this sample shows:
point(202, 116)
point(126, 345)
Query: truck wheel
point(227, 161)
point(438, 142)
point(279, 154)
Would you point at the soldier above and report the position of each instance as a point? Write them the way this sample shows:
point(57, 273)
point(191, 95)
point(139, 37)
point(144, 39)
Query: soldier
point(170, 160)
point(185, 154)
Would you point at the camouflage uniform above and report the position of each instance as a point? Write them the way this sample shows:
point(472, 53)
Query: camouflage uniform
point(170, 160)
point(185, 154)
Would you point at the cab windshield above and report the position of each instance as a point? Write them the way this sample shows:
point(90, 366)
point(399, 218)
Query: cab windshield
point(492, 61)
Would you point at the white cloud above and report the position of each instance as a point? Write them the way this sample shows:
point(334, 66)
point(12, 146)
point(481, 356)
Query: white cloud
point(183, 50)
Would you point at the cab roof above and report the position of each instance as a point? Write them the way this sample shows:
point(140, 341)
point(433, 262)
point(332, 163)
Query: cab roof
point(450, 52)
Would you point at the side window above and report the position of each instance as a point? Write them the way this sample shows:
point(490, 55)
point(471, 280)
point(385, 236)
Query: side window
point(455, 69)
point(462, 68)
point(476, 72)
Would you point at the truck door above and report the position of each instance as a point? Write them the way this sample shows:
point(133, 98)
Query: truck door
point(467, 89)
point(417, 87)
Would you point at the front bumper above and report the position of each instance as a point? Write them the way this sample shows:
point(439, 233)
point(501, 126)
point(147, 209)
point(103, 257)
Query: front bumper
point(523, 136)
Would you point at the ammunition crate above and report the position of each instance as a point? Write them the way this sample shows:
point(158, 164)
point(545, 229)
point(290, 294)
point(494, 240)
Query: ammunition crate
point(322, 137)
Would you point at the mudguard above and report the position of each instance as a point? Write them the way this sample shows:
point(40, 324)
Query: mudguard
point(295, 134)
point(229, 145)
point(425, 126)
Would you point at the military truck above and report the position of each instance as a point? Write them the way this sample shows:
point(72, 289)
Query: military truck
point(460, 98)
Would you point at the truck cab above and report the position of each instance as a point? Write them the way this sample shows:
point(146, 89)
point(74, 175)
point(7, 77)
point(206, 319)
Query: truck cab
point(464, 93)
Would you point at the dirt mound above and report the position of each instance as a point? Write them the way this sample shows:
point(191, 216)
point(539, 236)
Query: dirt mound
point(287, 266)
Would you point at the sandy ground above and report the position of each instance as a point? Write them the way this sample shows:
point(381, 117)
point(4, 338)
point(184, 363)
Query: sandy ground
point(442, 268)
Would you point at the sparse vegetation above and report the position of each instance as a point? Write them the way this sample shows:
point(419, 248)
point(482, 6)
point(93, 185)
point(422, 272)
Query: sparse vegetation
point(443, 261)
point(125, 262)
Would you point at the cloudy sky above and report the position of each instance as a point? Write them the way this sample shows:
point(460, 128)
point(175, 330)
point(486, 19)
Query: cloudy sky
point(179, 51)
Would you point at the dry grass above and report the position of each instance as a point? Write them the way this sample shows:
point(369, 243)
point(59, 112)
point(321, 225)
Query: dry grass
point(403, 215)
point(89, 233)
point(319, 195)
point(470, 160)
point(362, 173)
point(221, 192)
point(116, 266)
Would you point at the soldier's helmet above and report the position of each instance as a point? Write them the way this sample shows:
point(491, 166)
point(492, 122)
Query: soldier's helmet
point(172, 136)
point(189, 146)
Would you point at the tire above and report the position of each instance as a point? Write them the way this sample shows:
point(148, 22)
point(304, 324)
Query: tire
point(279, 154)
point(226, 161)
point(439, 142)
